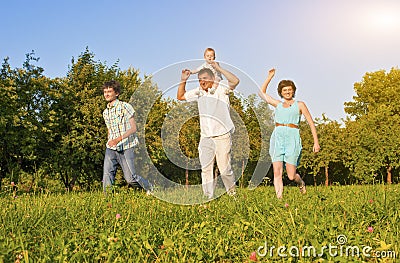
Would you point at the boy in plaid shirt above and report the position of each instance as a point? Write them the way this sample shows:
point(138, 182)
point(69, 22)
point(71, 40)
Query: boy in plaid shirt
point(121, 127)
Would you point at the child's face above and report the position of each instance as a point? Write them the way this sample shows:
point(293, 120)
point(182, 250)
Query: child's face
point(209, 55)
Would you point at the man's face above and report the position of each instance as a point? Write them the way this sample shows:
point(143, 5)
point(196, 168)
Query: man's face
point(109, 94)
point(206, 81)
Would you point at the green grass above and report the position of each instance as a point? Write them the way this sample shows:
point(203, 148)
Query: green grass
point(83, 227)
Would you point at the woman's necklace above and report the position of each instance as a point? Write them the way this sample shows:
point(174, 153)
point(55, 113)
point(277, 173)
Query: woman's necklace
point(288, 102)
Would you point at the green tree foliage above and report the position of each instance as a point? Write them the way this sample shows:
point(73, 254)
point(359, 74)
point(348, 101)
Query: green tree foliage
point(8, 107)
point(56, 125)
point(80, 133)
point(54, 128)
point(25, 112)
point(372, 135)
point(259, 122)
point(329, 136)
point(151, 110)
point(181, 136)
point(240, 138)
point(376, 88)
point(8, 96)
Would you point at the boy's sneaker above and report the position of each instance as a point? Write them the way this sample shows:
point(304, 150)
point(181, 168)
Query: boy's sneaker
point(135, 185)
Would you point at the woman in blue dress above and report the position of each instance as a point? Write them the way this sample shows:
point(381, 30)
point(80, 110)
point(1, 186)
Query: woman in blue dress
point(285, 143)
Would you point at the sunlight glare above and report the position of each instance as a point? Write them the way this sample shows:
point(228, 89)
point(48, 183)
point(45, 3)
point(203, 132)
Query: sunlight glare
point(384, 20)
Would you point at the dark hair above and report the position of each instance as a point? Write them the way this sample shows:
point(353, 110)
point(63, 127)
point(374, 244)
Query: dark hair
point(286, 83)
point(206, 70)
point(112, 84)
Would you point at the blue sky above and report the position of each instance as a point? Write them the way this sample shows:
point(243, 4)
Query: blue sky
point(324, 46)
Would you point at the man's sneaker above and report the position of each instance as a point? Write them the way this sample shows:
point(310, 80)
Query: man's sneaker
point(150, 191)
point(208, 197)
point(232, 192)
point(302, 187)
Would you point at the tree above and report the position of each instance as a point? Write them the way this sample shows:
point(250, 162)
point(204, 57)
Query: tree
point(151, 111)
point(80, 134)
point(371, 135)
point(373, 144)
point(24, 105)
point(329, 134)
point(259, 124)
point(8, 107)
point(181, 136)
point(240, 138)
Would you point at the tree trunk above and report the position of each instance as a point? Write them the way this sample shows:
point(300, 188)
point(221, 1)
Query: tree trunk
point(187, 175)
point(69, 185)
point(73, 181)
point(242, 176)
point(389, 175)
point(64, 179)
point(1, 179)
point(326, 176)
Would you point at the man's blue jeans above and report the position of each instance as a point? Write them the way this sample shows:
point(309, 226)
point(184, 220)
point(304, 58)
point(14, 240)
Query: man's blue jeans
point(125, 159)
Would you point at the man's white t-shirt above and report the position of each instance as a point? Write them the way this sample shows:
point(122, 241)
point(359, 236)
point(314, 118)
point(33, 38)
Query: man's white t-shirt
point(215, 118)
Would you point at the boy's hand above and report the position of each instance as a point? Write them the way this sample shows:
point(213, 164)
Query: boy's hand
point(113, 142)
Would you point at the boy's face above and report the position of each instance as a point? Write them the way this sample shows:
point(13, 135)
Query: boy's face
point(110, 95)
point(206, 81)
point(209, 55)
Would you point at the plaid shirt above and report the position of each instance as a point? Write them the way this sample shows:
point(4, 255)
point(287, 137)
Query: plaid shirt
point(117, 118)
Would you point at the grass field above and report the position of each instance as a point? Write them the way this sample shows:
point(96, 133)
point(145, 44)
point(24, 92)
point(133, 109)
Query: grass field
point(328, 224)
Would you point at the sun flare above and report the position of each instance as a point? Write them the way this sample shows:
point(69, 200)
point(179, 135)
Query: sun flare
point(384, 19)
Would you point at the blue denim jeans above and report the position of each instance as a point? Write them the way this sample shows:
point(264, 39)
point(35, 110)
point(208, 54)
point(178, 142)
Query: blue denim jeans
point(125, 159)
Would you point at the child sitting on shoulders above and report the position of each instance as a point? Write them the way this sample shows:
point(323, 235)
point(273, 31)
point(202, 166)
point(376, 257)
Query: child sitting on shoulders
point(209, 56)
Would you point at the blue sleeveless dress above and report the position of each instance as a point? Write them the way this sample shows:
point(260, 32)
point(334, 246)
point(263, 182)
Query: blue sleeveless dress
point(285, 143)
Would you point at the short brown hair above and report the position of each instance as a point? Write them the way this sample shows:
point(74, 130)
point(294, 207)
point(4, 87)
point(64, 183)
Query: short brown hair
point(286, 83)
point(112, 84)
point(209, 49)
point(206, 70)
